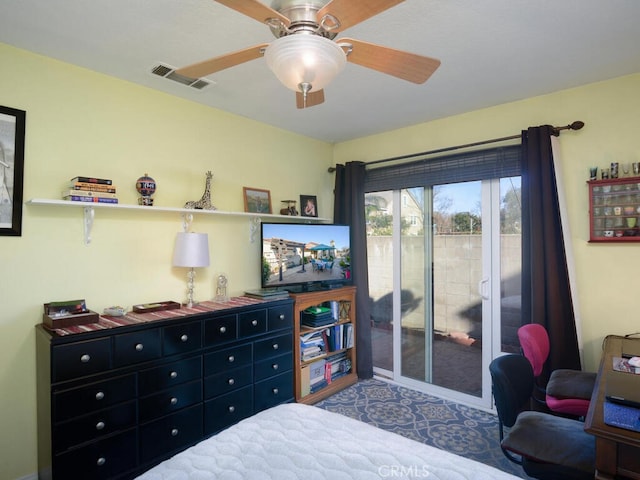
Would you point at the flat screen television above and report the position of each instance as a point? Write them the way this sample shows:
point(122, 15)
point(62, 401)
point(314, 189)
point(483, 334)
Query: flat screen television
point(304, 257)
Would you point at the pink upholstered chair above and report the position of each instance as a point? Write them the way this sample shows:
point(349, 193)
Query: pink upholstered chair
point(567, 391)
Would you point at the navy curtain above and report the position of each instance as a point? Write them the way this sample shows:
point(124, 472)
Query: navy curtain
point(546, 294)
point(349, 210)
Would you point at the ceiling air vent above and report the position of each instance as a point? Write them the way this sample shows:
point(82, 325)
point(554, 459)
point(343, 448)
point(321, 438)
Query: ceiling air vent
point(165, 71)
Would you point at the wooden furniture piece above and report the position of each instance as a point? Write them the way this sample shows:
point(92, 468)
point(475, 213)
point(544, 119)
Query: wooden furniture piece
point(617, 449)
point(113, 402)
point(346, 296)
point(614, 210)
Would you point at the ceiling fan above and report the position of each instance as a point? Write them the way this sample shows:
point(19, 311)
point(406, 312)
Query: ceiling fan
point(304, 56)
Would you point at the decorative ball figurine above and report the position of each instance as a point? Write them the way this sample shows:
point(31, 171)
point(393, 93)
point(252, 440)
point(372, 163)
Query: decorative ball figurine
point(146, 186)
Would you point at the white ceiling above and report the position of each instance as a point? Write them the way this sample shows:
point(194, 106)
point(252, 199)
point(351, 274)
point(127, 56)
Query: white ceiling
point(492, 52)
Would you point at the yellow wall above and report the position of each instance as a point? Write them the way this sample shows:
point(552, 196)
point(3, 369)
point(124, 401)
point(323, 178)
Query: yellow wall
point(83, 123)
point(607, 274)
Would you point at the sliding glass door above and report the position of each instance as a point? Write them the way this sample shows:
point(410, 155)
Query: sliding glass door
point(444, 265)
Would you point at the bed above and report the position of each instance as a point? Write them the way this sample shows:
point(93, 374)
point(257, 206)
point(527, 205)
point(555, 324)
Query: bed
point(296, 441)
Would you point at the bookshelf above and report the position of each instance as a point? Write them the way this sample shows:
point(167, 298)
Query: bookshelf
point(346, 298)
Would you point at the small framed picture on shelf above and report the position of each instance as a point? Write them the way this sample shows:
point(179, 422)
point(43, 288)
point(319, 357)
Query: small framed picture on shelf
point(308, 206)
point(12, 127)
point(256, 200)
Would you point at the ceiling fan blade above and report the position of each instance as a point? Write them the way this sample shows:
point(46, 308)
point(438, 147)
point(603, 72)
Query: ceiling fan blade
point(207, 67)
point(352, 12)
point(313, 98)
point(407, 66)
point(255, 9)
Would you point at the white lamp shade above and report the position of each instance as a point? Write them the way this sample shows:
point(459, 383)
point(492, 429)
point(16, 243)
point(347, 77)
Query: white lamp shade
point(302, 58)
point(191, 250)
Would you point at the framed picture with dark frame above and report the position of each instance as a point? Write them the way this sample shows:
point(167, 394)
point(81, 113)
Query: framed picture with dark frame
point(308, 206)
point(256, 200)
point(12, 127)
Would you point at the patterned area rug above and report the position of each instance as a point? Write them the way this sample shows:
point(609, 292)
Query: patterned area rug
point(456, 428)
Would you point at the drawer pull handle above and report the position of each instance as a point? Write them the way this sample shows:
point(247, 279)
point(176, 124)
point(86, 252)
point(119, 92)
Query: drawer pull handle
point(99, 425)
point(223, 329)
point(184, 338)
point(275, 391)
point(85, 358)
point(99, 395)
point(174, 432)
point(173, 374)
point(101, 461)
point(275, 346)
point(282, 316)
point(275, 366)
point(139, 347)
point(254, 322)
point(231, 409)
point(231, 381)
point(231, 359)
point(174, 401)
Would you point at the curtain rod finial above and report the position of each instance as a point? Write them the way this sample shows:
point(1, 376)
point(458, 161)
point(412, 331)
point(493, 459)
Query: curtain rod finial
point(577, 125)
point(331, 169)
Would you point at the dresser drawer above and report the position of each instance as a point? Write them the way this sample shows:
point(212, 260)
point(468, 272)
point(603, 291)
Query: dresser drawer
point(229, 358)
point(159, 378)
point(93, 426)
point(273, 346)
point(252, 323)
point(226, 381)
point(280, 318)
point(221, 329)
point(81, 358)
point(274, 390)
point(228, 409)
point(95, 396)
point(273, 366)
point(170, 433)
point(182, 338)
point(136, 347)
point(100, 460)
point(170, 400)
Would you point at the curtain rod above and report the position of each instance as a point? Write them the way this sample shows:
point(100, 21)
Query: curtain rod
point(577, 125)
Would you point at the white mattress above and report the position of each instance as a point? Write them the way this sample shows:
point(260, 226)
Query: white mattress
point(296, 441)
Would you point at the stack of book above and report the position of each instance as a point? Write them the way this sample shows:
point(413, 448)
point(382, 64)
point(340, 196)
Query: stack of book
point(312, 345)
point(316, 317)
point(267, 294)
point(90, 189)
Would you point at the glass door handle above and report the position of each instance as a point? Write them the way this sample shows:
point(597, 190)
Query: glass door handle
point(483, 288)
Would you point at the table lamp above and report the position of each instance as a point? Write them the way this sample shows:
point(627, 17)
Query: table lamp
point(192, 251)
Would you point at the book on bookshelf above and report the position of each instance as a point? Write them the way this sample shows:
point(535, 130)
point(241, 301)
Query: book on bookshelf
point(76, 198)
point(87, 193)
point(94, 187)
point(103, 181)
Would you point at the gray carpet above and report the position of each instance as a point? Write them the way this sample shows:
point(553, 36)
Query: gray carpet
point(456, 428)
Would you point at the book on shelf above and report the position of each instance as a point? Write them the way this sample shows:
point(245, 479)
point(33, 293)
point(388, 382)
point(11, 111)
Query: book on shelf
point(316, 372)
point(94, 187)
point(305, 381)
point(76, 198)
point(87, 193)
point(103, 181)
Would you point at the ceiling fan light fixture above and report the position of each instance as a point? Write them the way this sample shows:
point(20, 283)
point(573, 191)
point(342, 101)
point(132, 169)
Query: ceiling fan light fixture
point(305, 59)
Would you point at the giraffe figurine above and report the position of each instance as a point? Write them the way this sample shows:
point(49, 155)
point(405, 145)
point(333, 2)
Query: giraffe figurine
point(205, 202)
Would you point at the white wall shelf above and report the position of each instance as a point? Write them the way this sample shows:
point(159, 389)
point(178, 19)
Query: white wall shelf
point(89, 213)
